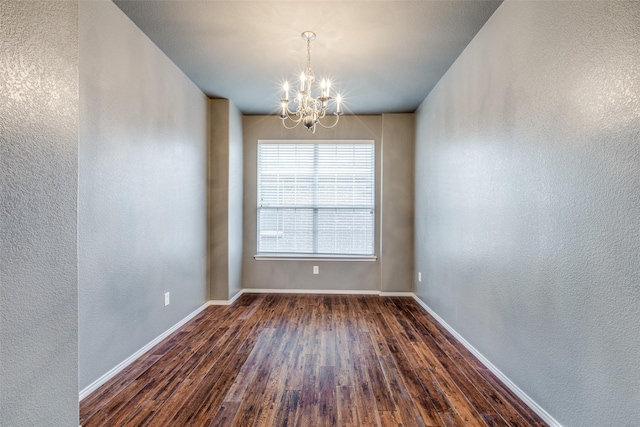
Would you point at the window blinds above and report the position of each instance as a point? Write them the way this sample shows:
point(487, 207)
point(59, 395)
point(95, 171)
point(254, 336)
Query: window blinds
point(316, 198)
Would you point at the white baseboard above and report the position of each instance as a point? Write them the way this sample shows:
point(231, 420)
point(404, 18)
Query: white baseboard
point(327, 292)
point(396, 294)
point(309, 291)
point(226, 301)
point(114, 371)
point(502, 377)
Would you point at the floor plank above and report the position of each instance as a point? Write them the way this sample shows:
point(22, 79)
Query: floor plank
point(308, 360)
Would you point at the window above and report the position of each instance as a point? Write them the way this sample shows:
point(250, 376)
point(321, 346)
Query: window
point(316, 197)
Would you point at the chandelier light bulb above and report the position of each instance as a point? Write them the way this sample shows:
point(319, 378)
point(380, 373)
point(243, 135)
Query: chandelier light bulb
point(284, 110)
point(309, 110)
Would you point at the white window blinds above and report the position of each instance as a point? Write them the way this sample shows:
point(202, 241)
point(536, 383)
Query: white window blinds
point(316, 197)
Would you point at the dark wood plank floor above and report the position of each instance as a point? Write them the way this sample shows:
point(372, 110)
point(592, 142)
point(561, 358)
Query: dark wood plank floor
point(308, 360)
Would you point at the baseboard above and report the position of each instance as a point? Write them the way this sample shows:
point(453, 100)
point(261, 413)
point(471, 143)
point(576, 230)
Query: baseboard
point(226, 301)
point(114, 371)
point(310, 291)
point(327, 292)
point(505, 380)
point(396, 294)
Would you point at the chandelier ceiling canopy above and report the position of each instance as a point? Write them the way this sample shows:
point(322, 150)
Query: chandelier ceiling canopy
point(307, 109)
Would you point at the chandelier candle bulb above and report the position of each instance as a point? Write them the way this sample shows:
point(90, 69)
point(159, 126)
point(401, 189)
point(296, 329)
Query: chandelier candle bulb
point(328, 95)
point(302, 78)
point(338, 101)
point(286, 91)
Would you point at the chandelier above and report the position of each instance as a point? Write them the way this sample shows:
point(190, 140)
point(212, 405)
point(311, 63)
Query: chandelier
point(308, 110)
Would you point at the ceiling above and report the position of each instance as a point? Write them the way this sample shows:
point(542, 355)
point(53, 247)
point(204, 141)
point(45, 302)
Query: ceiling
point(382, 56)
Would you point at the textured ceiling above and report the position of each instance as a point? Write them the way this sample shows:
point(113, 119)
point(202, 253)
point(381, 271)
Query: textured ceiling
point(382, 56)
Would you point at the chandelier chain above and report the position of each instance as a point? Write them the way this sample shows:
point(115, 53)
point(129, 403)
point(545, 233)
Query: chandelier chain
point(308, 55)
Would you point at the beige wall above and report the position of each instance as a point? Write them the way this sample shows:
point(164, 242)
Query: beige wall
point(236, 201)
point(396, 243)
point(335, 275)
point(224, 199)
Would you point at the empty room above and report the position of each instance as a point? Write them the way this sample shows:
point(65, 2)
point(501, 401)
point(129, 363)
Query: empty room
point(331, 213)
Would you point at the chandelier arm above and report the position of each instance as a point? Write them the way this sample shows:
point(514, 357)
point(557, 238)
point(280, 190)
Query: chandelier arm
point(290, 127)
point(291, 113)
point(296, 122)
point(330, 126)
point(322, 112)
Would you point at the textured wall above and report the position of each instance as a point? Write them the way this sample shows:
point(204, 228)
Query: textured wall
point(396, 248)
point(528, 204)
point(225, 199)
point(334, 275)
point(142, 191)
point(38, 187)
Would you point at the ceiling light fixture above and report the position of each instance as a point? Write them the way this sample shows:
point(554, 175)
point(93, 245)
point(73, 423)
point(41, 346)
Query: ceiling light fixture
point(309, 110)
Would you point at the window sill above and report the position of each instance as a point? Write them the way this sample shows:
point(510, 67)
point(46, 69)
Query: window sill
point(312, 257)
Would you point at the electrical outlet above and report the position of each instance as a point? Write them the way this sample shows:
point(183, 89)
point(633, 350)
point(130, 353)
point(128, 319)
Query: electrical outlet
point(166, 299)
point(316, 269)
point(419, 276)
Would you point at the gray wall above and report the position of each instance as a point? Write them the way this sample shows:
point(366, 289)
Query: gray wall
point(341, 275)
point(396, 243)
point(142, 191)
point(225, 199)
point(527, 204)
point(38, 187)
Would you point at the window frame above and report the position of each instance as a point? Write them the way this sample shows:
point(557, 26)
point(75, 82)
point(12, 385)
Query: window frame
point(271, 256)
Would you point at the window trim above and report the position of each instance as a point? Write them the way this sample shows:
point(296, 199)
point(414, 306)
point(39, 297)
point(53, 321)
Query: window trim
point(283, 256)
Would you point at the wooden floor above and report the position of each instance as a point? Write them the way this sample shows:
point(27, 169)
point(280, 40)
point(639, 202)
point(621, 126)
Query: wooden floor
point(308, 360)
